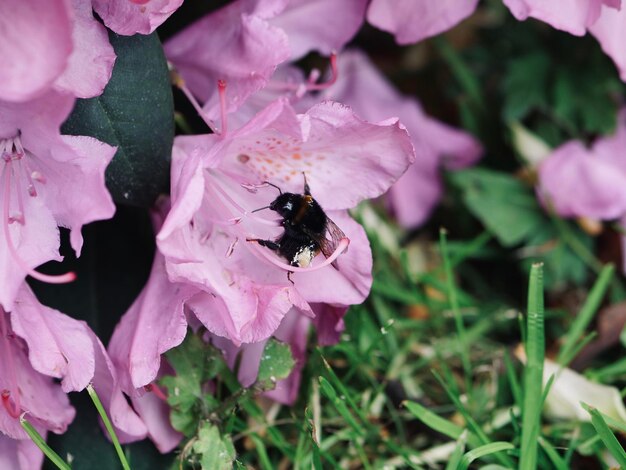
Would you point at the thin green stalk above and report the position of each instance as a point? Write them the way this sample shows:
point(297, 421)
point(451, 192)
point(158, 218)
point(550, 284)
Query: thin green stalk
point(464, 76)
point(108, 426)
point(454, 304)
point(587, 312)
point(43, 446)
point(607, 436)
point(533, 371)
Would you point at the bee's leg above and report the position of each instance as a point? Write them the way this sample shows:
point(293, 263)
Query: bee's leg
point(266, 243)
point(289, 273)
point(307, 190)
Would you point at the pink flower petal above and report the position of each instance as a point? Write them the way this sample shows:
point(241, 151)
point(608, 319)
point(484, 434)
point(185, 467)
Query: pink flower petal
point(415, 194)
point(235, 44)
point(35, 47)
point(320, 25)
point(20, 454)
point(35, 242)
point(577, 183)
point(329, 323)
point(129, 426)
point(128, 17)
point(54, 180)
point(244, 312)
point(155, 413)
point(47, 406)
point(412, 21)
point(58, 345)
point(76, 193)
point(154, 324)
point(91, 62)
point(372, 156)
point(573, 16)
point(610, 31)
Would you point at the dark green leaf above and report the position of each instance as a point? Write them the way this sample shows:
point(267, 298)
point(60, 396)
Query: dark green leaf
point(216, 452)
point(276, 362)
point(136, 114)
point(506, 206)
point(525, 85)
point(195, 362)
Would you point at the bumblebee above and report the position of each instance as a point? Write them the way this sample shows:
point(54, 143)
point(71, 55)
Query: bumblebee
point(308, 230)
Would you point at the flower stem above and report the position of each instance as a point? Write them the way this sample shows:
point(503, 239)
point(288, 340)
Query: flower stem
point(43, 446)
point(108, 426)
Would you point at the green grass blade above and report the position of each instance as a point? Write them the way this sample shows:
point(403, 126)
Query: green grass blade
point(109, 427)
point(434, 421)
point(558, 462)
point(533, 370)
point(511, 376)
point(587, 312)
point(607, 436)
point(43, 446)
point(457, 455)
point(264, 459)
point(454, 304)
point(483, 451)
point(329, 392)
point(472, 425)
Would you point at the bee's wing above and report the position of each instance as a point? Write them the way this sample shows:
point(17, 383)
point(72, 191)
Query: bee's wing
point(328, 240)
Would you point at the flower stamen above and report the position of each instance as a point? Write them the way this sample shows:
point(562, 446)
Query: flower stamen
point(156, 390)
point(7, 220)
point(221, 90)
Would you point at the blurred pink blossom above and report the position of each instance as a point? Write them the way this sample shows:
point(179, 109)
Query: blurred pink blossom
point(411, 21)
point(48, 180)
point(573, 16)
point(437, 145)
point(245, 41)
point(577, 181)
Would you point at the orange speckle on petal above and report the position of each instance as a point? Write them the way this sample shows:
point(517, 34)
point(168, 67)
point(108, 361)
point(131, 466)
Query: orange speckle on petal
point(296, 156)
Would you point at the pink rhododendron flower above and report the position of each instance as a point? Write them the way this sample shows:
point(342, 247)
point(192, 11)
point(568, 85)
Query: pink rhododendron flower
point(128, 17)
point(437, 145)
point(587, 182)
point(319, 25)
point(22, 454)
point(29, 27)
point(78, 57)
point(215, 186)
point(610, 31)
point(27, 368)
point(48, 180)
point(244, 42)
point(411, 21)
point(604, 19)
point(573, 16)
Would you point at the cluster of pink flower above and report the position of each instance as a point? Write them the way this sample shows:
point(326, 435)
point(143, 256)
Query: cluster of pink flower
point(205, 271)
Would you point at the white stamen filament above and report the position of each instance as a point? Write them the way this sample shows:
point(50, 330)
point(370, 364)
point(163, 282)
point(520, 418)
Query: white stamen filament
point(341, 247)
